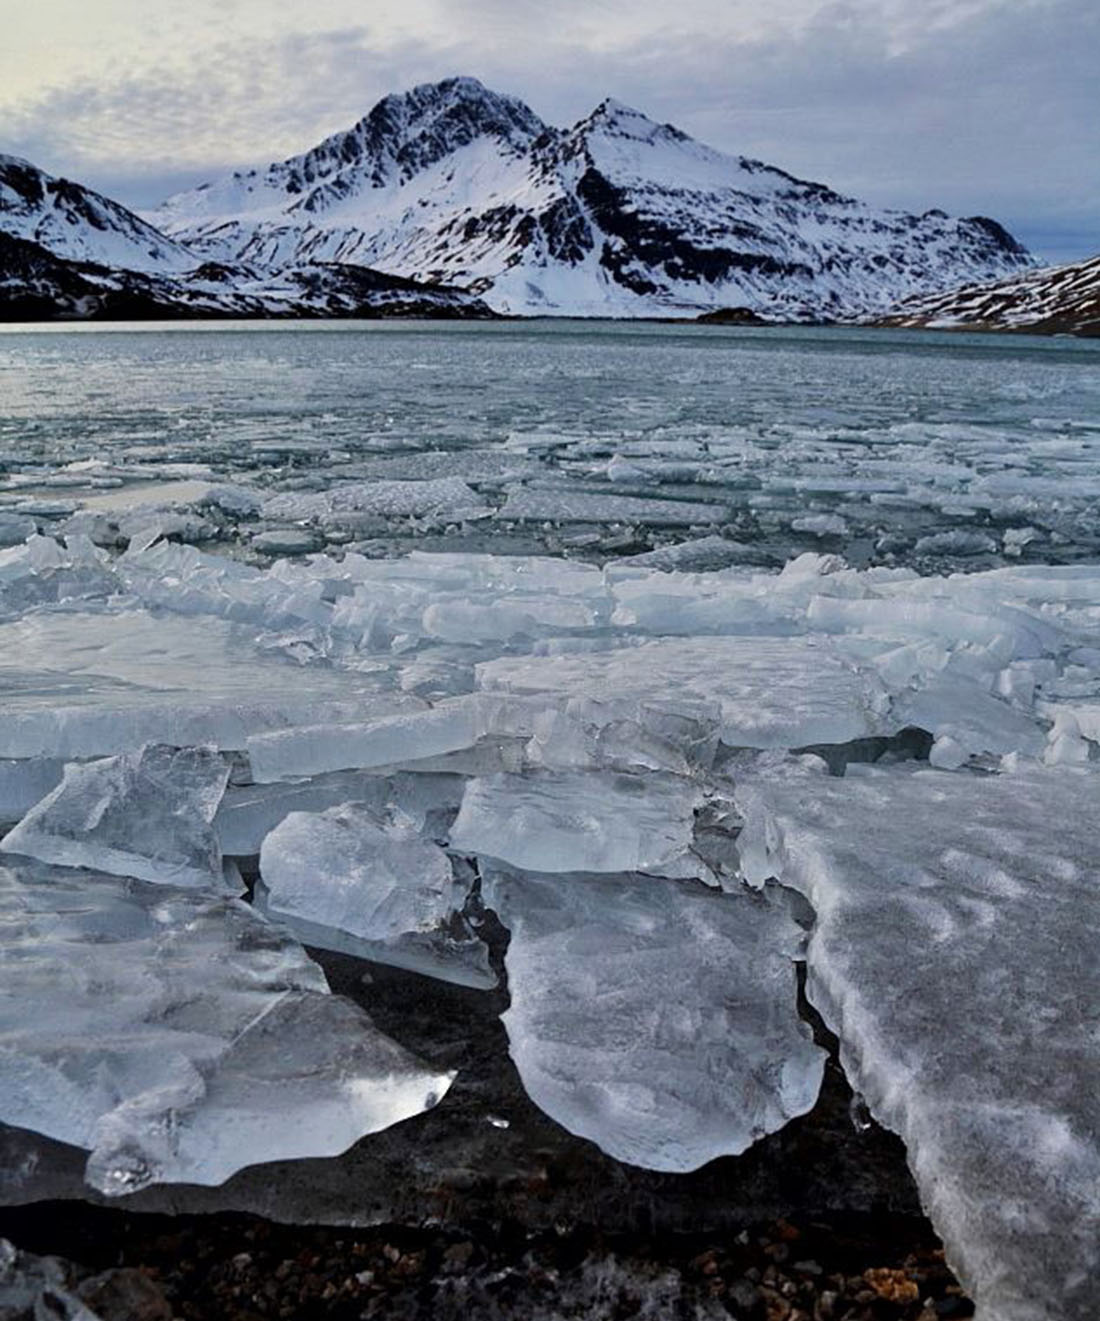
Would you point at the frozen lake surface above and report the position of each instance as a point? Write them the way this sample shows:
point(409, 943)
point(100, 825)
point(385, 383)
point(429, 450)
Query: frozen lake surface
point(895, 446)
point(688, 653)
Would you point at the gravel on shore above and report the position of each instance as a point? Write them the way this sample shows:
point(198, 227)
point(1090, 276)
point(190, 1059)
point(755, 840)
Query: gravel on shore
point(130, 1267)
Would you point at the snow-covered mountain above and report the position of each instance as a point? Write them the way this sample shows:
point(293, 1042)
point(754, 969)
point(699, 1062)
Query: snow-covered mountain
point(66, 251)
point(37, 285)
point(76, 224)
point(618, 215)
point(1059, 299)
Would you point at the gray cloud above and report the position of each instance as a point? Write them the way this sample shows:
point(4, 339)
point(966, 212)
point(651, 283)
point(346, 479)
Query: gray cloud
point(990, 108)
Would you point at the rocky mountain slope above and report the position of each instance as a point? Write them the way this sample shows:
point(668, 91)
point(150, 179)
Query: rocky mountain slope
point(1057, 300)
point(37, 285)
point(616, 216)
point(76, 224)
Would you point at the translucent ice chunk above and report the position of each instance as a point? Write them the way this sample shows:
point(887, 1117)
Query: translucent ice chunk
point(179, 1037)
point(581, 821)
point(955, 956)
point(390, 740)
point(86, 683)
point(655, 1018)
point(247, 813)
point(625, 734)
point(772, 692)
point(146, 814)
point(348, 880)
point(25, 782)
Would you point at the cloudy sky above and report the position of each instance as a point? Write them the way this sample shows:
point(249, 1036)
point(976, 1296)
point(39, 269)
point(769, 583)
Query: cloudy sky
point(976, 106)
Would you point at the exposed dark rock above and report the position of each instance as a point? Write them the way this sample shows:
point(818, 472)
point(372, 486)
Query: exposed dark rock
point(732, 316)
point(36, 285)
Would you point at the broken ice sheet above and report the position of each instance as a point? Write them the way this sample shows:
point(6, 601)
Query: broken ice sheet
point(248, 813)
point(656, 1018)
point(582, 821)
point(146, 814)
point(178, 1037)
point(770, 692)
point(348, 879)
point(86, 683)
point(958, 923)
point(391, 739)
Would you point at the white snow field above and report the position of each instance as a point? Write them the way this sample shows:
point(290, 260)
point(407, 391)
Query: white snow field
point(674, 756)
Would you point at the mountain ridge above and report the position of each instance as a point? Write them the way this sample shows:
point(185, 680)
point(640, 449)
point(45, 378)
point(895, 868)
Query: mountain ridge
point(463, 189)
point(76, 223)
point(1056, 300)
point(618, 215)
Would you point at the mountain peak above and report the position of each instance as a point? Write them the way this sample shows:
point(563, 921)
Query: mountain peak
point(615, 119)
point(614, 114)
point(454, 110)
point(77, 224)
point(454, 183)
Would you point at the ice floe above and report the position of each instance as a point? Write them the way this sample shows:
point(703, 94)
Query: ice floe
point(954, 954)
point(655, 1018)
point(177, 1036)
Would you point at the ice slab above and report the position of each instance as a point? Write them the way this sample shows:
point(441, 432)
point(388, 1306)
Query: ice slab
point(24, 782)
point(771, 692)
point(565, 505)
point(447, 496)
point(81, 683)
point(351, 880)
point(581, 821)
point(957, 707)
point(656, 1018)
point(178, 1037)
point(146, 814)
point(247, 813)
point(412, 735)
point(958, 920)
point(286, 541)
point(15, 529)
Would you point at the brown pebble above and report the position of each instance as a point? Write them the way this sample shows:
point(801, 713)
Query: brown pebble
point(458, 1255)
point(125, 1294)
point(893, 1285)
point(776, 1307)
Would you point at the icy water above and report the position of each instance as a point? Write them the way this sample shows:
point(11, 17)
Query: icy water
point(785, 439)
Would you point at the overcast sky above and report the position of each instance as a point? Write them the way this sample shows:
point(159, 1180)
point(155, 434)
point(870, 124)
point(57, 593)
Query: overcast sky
point(976, 106)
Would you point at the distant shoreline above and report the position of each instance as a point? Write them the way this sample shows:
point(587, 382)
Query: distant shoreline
point(705, 320)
